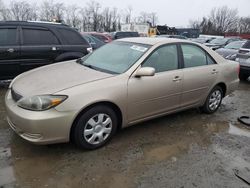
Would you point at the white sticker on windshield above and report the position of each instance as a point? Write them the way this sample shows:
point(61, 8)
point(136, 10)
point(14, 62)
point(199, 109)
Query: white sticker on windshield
point(139, 48)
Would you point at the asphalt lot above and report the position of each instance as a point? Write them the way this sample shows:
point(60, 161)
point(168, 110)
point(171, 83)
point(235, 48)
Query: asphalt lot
point(188, 149)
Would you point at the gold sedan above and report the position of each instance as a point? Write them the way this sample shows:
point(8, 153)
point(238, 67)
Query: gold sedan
point(122, 83)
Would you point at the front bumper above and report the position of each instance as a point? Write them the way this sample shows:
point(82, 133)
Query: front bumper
point(44, 127)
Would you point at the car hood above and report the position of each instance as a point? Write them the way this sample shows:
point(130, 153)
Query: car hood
point(54, 78)
point(226, 52)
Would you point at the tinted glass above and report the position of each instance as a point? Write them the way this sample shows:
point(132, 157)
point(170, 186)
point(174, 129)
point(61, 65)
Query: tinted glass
point(8, 36)
point(193, 56)
point(71, 37)
point(246, 45)
point(38, 37)
point(235, 45)
point(115, 57)
point(219, 41)
point(163, 59)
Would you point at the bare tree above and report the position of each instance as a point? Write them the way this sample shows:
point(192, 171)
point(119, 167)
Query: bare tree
point(94, 10)
point(4, 12)
point(224, 19)
point(72, 16)
point(128, 14)
point(244, 25)
point(21, 10)
point(153, 18)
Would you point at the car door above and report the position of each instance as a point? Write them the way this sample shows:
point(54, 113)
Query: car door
point(9, 52)
point(199, 74)
point(39, 46)
point(158, 94)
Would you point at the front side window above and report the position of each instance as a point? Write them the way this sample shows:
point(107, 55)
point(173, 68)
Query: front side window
point(38, 37)
point(115, 57)
point(163, 59)
point(193, 56)
point(8, 36)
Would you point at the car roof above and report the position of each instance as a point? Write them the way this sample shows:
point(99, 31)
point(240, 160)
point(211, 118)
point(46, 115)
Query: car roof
point(152, 41)
point(32, 23)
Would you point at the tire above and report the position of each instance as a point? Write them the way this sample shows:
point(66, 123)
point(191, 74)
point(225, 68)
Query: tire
point(213, 100)
point(243, 76)
point(95, 127)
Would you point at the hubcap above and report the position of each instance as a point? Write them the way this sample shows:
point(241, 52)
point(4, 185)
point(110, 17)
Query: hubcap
point(98, 128)
point(214, 100)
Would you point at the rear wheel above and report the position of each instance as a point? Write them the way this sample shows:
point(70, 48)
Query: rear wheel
point(95, 127)
point(213, 100)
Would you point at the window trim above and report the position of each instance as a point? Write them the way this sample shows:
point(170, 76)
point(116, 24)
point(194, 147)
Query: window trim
point(164, 45)
point(37, 28)
point(196, 45)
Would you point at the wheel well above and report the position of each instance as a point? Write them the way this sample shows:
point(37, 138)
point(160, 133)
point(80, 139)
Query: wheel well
point(223, 87)
point(109, 104)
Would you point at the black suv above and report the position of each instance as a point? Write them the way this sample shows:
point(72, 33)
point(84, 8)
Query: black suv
point(27, 45)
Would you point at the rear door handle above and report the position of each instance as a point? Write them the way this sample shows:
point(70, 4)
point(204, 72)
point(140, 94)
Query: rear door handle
point(10, 50)
point(54, 48)
point(177, 78)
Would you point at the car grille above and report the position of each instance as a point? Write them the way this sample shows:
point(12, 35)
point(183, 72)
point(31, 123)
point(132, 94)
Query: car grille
point(15, 96)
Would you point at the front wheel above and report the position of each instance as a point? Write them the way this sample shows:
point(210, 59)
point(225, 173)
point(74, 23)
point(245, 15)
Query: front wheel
point(95, 127)
point(213, 101)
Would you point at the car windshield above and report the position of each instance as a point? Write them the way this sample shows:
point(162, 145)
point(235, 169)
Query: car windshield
point(235, 45)
point(219, 41)
point(116, 57)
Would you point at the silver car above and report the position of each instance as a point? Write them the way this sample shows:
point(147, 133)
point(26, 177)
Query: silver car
point(122, 83)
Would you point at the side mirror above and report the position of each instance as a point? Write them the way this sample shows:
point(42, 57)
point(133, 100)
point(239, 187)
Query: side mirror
point(145, 71)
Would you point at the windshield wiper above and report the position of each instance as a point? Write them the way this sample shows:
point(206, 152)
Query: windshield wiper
point(79, 60)
point(89, 66)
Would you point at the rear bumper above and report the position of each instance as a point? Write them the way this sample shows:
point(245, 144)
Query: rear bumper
point(232, 87)
point(45, 127)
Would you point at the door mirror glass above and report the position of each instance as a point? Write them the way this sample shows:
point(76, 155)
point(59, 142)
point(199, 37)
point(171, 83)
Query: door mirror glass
point(145, 71)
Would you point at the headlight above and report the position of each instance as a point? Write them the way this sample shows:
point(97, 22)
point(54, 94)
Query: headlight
point(41, 103)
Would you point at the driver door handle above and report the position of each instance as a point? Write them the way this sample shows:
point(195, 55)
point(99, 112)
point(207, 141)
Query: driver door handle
point(177, 79)
point(10, 50)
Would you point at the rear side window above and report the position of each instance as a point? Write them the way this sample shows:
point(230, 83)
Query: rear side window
point(193, 56)
point(8, 36)
point(38, 37)
point(246, 45)
point(71, 37)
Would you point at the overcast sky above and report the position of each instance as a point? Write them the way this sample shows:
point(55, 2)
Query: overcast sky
point(170, 12)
